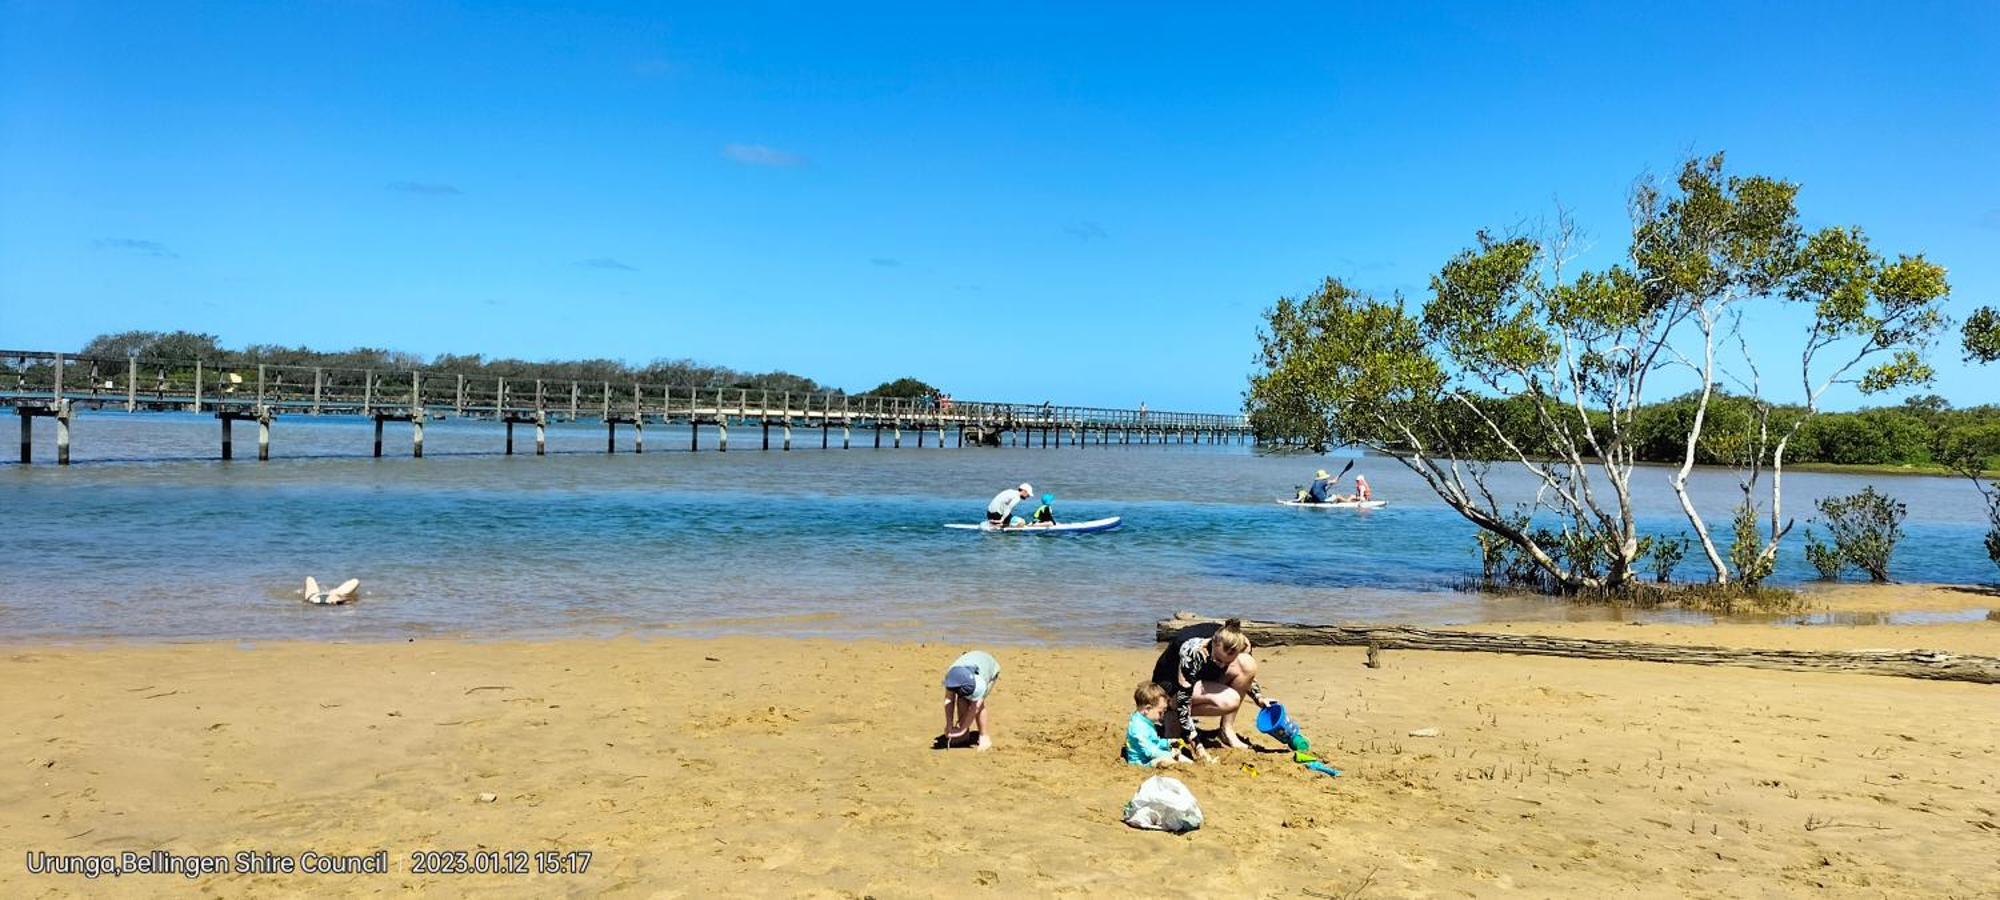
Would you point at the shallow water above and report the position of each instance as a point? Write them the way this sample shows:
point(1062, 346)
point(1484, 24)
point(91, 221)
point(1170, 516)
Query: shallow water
point(147, 536)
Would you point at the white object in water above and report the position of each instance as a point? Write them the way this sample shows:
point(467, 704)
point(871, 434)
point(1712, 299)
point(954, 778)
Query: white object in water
point(1336, 504)
point(342, 594)
point(1163, 804)
point(1058, 528)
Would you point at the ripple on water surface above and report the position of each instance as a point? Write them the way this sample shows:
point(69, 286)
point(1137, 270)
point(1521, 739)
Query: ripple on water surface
point(810, 542)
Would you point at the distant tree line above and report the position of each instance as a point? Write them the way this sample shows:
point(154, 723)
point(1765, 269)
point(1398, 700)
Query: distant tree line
point(1922, 431)
point(184, 345)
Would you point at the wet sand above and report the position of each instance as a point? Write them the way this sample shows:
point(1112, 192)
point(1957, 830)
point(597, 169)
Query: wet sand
point(766, 766)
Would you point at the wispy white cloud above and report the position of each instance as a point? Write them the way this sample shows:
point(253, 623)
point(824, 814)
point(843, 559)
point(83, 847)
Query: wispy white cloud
point(135, 246)
point(425, 188)
point(606, 262)
point(1086, 230)
point(760, 155)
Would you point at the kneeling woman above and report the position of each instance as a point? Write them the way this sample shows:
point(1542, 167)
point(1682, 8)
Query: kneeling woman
point(1208, 670)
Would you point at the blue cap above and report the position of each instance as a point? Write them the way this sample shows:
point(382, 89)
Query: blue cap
point(967, 682)
point(1048, 498)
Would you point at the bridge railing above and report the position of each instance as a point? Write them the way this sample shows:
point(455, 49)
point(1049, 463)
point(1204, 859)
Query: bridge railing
point(204, 386)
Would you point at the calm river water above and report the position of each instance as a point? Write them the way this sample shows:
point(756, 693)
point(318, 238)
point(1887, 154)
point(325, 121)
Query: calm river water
point(148, 537)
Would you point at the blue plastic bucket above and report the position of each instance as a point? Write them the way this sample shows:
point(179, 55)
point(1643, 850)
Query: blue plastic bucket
point(1273, 721)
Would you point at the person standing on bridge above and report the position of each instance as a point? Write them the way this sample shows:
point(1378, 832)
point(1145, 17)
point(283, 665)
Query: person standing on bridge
point(1000, 512)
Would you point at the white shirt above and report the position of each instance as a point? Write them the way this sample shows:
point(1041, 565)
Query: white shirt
point(1004, 502)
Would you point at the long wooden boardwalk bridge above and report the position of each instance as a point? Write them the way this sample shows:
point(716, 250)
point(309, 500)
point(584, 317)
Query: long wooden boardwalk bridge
point(59, 386)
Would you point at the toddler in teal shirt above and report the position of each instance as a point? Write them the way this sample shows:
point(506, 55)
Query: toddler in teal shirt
point(1143, 744)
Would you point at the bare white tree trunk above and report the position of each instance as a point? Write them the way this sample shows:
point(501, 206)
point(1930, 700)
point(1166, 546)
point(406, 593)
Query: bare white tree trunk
point(1687, 458)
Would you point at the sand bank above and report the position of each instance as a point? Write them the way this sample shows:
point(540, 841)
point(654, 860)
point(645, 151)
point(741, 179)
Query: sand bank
point(788, 767)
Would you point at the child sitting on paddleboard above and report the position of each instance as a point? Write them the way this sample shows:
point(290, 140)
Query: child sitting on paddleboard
point(966, 685)
point(1045, 514)
point(1143, 744)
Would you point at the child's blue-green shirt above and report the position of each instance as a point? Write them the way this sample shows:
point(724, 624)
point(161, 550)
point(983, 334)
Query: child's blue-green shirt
point(1143, 743)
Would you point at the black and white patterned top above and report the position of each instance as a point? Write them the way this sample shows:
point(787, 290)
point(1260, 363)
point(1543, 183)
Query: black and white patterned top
point(1185, 663)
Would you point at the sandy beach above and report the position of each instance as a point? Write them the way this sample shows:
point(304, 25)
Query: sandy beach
point(767, 766)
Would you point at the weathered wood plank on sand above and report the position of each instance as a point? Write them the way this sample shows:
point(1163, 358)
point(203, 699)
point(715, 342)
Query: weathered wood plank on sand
point(1936, 665)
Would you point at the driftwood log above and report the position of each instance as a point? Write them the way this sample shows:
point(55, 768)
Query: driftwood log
point(1935, 665)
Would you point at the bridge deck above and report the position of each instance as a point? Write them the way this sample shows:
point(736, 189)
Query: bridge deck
point(48, 384)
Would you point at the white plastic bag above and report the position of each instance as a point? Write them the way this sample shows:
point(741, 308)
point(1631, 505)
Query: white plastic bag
point(1163, 804)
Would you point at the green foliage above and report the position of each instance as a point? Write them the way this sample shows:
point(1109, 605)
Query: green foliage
point(1746, 548)
point(148, 345)
point(181, 346)
point(1347, 369)
point(1969, 449)
point(904, 388)
point(1825, 558)
point(1864, 529)
point(1980, 335)
point(1664, 554)
point(1494, 552)
point(1716, 235)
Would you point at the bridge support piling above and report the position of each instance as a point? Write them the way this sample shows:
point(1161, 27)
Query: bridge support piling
point(694, 432)
point(378, 439)
point(920, 436)
point(541, 435)
point(767, 432)
point(27, 437)
point(610, 436)
point(825, 434)
point(510, 437)
point(62, 432)
point(639, 434)
point(228, 445)
point(722, 434)
point(417, 436)
point(788, 435)
point(263, 436)
point(845, 437)
point(898, 435)
point(878, 435)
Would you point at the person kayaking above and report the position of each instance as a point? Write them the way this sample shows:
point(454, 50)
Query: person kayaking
point(1000, 512)
point(1321, 489)
point(1045, 514)
point(1361, 492)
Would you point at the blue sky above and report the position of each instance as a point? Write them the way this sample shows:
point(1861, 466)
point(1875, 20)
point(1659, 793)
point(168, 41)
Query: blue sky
point(1083, 203)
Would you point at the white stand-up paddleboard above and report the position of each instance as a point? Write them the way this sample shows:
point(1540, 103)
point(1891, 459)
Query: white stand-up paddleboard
point(1336, 504)
point(1058, 528)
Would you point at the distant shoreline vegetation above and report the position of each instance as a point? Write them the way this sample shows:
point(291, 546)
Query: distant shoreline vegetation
point(185, 345)
point(1918, 436)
